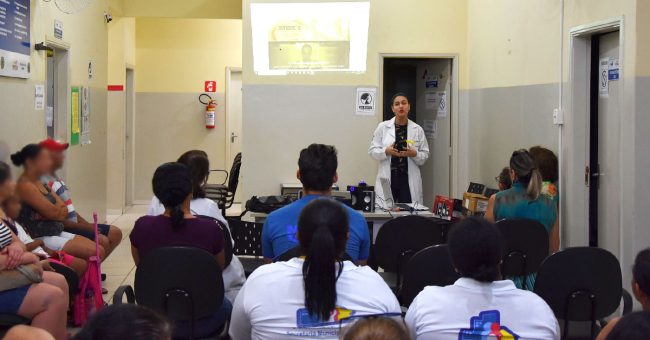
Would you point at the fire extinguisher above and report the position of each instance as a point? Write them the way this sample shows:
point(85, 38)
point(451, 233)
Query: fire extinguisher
point(210, 111)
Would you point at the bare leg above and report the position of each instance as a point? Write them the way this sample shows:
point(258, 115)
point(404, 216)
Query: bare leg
point(22, 332)
point(83, 248)
point(114, 239)
point(79, 266)
point(47, 306)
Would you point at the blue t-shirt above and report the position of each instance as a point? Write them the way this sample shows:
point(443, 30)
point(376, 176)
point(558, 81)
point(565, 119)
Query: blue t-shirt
point(279, 233)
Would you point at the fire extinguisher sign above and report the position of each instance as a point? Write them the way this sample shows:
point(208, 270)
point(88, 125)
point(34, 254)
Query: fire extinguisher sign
point(210, 86)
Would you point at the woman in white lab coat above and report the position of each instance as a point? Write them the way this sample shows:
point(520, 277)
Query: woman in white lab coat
point(401, 147)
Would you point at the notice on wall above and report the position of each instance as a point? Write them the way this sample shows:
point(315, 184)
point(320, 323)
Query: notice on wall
point(39, 97)
point(365, 101)
point(430, 127)
point(49, 116)
point(612, 69)
point(74, 115)
point(85, 115)
point(14, 38)
point(442, 104)
point(431, 100)
point(603, 78)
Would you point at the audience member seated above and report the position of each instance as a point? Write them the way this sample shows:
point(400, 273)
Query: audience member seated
point(43, 212)
point(478, 304)
point(126, 321)
point(634, 326)
point(503, 180)
point(377, 329)
point(11, 207)
point(199, 165)
point(22, 332)
point(317, 172)
point(547, 163)
point(640, 288)
point(311, 296)
point(110, 236)
point(177, 226)
point(525, 200)
point(45, 303)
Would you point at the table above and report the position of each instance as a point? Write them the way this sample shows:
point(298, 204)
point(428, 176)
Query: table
point(375, 219)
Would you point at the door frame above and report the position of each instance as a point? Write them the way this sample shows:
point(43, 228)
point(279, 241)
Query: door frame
point(575, 189)
point(455, 180)
point(229, 72)
point(62, 99)
point(129, 135)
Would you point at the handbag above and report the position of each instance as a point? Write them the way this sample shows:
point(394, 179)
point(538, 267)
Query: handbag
point(267, 204)
point(23, 275)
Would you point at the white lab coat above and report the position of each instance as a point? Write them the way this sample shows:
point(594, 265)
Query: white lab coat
point(384, 137)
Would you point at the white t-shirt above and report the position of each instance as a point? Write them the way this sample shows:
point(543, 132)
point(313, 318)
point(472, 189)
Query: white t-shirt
point(26, 239)
point(271, 305)
point(468, 309)
point(233, 275)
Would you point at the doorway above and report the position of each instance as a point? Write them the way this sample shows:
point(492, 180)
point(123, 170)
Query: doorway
point(429, 84)
point(234, 113)
point(592, 175)
point(129, 92)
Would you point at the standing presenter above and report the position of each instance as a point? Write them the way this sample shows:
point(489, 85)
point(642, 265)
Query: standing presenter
point(401, 147)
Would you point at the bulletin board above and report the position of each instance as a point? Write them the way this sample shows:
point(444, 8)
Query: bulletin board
point(75, 108)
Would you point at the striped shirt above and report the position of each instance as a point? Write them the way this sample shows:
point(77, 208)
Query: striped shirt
point(58, 186)
point(5, 235)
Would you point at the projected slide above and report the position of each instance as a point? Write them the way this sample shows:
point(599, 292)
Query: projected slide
point(309, 37)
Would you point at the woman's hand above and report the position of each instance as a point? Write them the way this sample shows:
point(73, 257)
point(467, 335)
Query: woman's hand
point(392, 151)
point(29, 258)
point(14, 254)
point(47, 266)
point(409, 152)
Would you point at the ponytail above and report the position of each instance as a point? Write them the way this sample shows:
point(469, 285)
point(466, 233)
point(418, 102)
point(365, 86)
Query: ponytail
point(485, 273)
point(178, 217)
point(322, 231)
point(534, 185)
point(172, 185)
point(319, 274)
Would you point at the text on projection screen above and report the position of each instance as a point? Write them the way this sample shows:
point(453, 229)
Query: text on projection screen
point(304, 38)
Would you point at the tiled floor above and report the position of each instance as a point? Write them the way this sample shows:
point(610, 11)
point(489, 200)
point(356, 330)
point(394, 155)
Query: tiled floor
point(119, 267)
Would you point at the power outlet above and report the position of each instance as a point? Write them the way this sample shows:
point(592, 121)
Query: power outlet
point(558, 117)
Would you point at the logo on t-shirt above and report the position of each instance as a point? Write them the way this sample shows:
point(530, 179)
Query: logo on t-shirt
point(292, 232)
point(339, 315)
point(485, 326)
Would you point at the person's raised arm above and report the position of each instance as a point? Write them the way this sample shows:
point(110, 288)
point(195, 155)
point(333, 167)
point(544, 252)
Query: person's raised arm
point(31, 196)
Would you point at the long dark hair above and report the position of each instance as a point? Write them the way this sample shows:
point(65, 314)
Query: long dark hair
point(172, 184)
point(29, 151)
point(5, 172)
point(199, 165)
point(323, 232)
point(125, 321)
point(476, 247)
point(527, 173)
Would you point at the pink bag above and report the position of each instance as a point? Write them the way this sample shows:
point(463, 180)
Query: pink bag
point(89, 299)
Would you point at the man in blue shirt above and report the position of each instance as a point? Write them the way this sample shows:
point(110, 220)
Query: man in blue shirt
point(316, 171)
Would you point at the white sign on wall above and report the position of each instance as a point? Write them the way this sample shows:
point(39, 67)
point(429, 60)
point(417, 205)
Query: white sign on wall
point(39, 97)
point(365, 101)
point(603, 78)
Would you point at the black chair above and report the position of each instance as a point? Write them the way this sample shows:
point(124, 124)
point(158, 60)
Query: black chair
point(222, 194)
point(226, 238)
point(183, 283)
point(295, 252)
point(525, 247)
point(581, 284)
point(398, 240)
point(248, 243)
point(430, 266)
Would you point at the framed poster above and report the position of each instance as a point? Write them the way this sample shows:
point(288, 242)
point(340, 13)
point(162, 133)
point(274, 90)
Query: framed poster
point(15, 46)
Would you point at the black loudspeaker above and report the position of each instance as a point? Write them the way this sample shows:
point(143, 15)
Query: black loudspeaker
point(363, 200)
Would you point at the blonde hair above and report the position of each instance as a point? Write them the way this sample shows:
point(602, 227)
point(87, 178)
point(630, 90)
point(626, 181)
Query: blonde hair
point(379, 328)
point(522, 163)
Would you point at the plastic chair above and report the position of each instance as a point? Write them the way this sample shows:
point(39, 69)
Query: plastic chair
point(526, 244)
point(248, 243)
point(398, 240)
point(183, 283)
point(581, 284)
point(430, 266)
point(221, 193)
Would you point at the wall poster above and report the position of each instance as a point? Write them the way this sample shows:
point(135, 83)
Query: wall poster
point(15, 45)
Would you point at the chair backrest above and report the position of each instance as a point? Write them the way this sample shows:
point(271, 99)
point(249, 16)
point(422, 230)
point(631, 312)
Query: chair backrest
point(227, 239)
point(402, 237)
point(572, 279)
point(247, 236)
point(525, 246)
point(430, 266)
point(233, 177)
point(183, 283)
